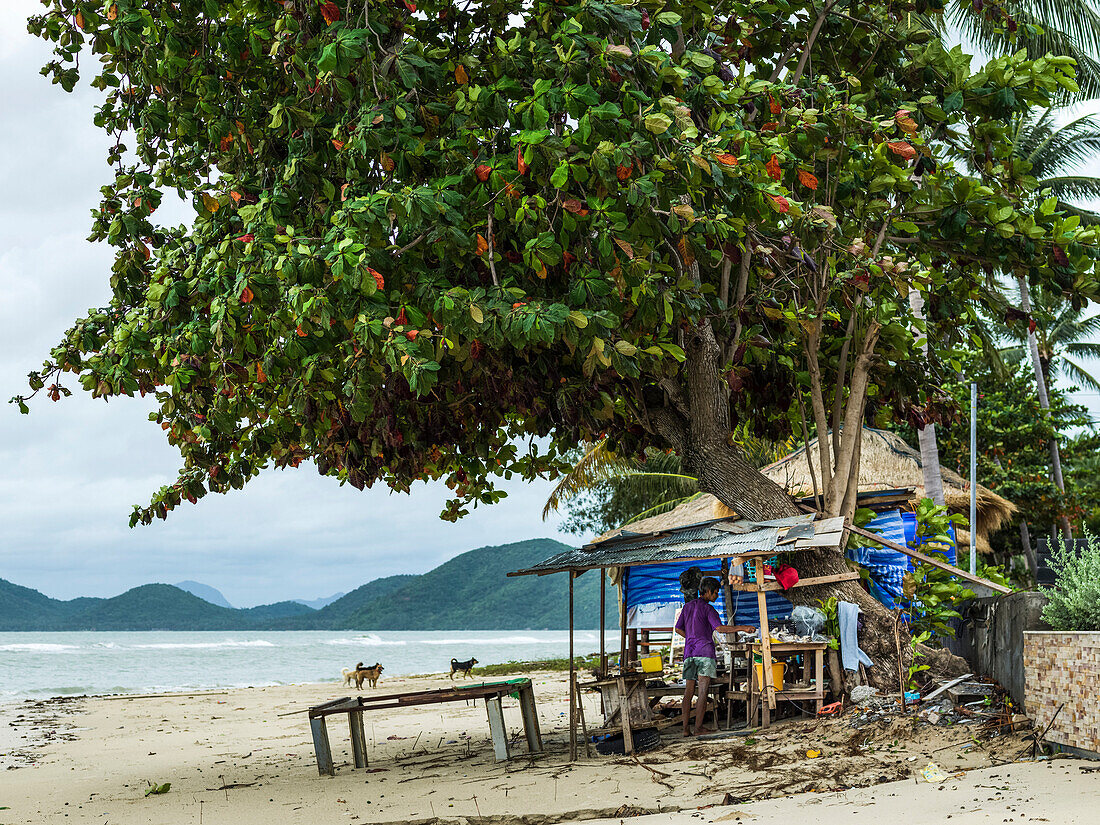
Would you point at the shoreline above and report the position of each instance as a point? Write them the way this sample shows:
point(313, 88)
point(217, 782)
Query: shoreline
point(246, 756)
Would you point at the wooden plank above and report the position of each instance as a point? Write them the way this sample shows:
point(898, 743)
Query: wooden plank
point(321, 746)
point(496, 728)
point(768, 587)
point(819, 540)
point(766, 642)
point(829, 525)
point(572, 682)
point(358, 740)
point(530, 719)
point(935, 562)
point(943, 688)
point(624, 713)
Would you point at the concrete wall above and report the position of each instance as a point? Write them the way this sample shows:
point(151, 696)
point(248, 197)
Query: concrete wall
point(1063, 671)
point(990, 636)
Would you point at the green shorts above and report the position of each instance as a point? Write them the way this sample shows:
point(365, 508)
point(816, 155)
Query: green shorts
point(696, 667)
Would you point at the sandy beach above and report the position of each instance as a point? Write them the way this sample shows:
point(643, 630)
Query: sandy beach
point(245, 757)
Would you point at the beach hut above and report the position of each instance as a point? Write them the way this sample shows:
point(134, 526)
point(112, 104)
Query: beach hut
point(887, 463)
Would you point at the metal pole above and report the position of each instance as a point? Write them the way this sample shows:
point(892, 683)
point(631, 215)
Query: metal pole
point(973, 478)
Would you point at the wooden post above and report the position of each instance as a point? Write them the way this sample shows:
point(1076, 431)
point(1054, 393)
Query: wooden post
point(624, 716)
point(358, 739)
point(572, 676)
point(768, 685)
point(603, 624)
point(530, 718)
point(497, 729)
point(321, 746)
point(632, 645)
point(622, 620)
point(727, 594)
point(576, 690)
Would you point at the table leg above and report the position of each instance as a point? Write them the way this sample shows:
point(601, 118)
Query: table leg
point(819, 675)
point(358, 739)
point(321, 746)
point(624, 713)
point(496, 727)
point(530, 720)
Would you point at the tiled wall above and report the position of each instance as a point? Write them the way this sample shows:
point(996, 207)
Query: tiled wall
point(1064, 668)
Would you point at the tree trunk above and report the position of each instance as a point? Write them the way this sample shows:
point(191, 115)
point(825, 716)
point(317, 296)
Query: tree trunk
point(926, 435)
point(1029, 551)
point(1044, 401)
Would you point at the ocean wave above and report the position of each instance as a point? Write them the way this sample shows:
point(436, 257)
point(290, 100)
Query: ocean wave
point(202, 645)
point(500, 640)
point(369, 640)
point(37, 648)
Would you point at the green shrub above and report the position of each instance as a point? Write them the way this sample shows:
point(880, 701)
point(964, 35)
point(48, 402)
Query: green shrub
point(1073, 603)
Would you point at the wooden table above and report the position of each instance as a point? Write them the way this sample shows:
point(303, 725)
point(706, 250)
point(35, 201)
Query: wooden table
point(491, 692)
point(813, 674)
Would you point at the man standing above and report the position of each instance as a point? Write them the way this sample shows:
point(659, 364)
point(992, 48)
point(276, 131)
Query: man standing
point(697, 624)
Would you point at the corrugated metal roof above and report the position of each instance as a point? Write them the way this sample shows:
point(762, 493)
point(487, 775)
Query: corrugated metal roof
point(710, 539)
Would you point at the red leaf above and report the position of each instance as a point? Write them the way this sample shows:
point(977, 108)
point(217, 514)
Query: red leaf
point(410, 6)
point(482, 172)
point(331, 13)
point(482, 245)
point(1031, 325)
point(623, 171)
point(379, 281)
point(776, 108)
point(574, 207)
point(774, 171)
point(779, 203)
point(520, 162)
point(339, 144)
point(261, 376)
point(1060, 256)
point(411, 334)
point(807, 179)
point(249, 238)
point(301, 333)
point(726, 159)
point(387, 162)
point(247, 296)
point(902, 148)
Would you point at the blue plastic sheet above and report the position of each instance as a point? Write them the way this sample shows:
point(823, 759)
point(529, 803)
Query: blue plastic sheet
point(888, 567)
point(651, 584)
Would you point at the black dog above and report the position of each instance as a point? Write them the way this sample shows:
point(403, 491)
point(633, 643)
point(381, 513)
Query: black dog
point(462, 667)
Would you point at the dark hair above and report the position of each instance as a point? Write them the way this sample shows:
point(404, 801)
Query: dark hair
point(709, 585)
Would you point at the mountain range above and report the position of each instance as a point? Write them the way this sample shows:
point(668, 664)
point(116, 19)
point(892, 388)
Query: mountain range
point(469, 592)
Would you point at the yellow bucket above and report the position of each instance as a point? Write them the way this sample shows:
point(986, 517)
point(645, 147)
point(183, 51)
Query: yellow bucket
point(777, 674)
point(652, 664)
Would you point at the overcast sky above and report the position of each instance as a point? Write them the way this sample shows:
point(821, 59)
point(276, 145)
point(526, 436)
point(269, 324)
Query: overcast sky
point(71, 471)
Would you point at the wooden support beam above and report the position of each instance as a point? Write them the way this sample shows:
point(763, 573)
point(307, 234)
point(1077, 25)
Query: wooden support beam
point(932, 560)
point(851, 575)
point(768, 685)
point(572, 678)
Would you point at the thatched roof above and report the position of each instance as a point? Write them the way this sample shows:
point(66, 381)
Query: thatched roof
point(887, 462)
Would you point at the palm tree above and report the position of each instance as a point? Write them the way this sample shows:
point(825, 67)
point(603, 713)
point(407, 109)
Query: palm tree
point(1055, 152)
point(1061, 335)
point(635, 489)
point(1041, 27)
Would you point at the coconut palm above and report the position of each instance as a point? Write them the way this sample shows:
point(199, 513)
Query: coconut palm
point(1062, 335)
point(628, 489)
point(1041, 27)
point(1056, 152)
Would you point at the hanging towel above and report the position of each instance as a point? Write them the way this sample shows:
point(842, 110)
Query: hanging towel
point(850, 655)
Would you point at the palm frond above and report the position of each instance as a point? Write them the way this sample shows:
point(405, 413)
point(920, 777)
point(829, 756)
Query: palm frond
point(1084, 349)
point(1070, 28)
point(598, 464)
point(1078, 374)
point(663, 507)
point(1066, 147)
point(1073, 186)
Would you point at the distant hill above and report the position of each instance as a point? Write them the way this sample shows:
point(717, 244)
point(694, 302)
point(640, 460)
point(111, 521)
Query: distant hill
point(473, 592)
point(204, 592)
point(469, 592)
point(324, 601)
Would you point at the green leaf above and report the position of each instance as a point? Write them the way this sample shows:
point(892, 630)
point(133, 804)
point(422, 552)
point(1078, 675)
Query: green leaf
point(560, 176)
point(657, 123)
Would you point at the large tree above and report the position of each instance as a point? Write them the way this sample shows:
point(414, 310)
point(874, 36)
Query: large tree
point(429, 236)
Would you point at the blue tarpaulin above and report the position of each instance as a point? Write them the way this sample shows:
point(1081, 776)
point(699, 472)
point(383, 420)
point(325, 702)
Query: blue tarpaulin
point(652, 586)
point(887, 567)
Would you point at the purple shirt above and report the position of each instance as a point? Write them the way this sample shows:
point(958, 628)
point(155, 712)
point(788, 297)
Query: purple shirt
point(698, 620)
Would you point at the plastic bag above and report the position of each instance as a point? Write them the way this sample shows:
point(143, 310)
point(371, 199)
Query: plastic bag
point(807, 621)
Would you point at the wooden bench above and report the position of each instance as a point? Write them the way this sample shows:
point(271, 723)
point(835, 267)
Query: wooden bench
point(491, 692)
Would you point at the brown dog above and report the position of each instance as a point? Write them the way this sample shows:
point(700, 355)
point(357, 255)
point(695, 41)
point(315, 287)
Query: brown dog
point(368, 674)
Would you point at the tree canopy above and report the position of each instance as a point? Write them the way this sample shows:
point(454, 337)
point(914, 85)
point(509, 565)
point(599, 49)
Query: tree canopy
point(430, 235)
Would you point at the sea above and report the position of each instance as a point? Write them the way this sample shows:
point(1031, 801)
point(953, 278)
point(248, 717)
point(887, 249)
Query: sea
point(44, 665)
